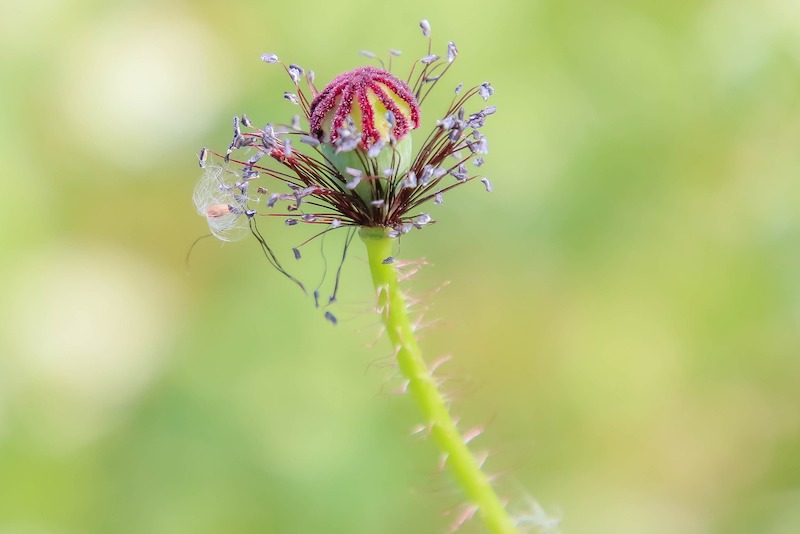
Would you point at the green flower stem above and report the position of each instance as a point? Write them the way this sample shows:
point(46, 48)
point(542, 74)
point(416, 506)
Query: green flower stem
point(463, 465)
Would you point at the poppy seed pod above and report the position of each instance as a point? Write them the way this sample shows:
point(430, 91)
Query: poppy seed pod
point(381, 106)
point(366, 111)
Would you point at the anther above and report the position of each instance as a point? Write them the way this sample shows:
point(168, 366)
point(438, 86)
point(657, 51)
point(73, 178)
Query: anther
point(356, 174)
point(486, 90)
point(426, 27)
point(236, 130)
point(310, 141)
point(295, 73)
point(254, 159)
point(375, 150)
point(427, 174)
point(331, 317)
point(410, 180)
point(452, 52)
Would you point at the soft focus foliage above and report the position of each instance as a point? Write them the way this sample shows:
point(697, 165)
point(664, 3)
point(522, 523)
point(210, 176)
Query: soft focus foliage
point(624, 309)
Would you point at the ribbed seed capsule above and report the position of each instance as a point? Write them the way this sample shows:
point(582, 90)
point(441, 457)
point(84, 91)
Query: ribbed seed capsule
point(366, 94)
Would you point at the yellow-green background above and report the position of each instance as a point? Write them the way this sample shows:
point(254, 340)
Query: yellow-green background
point(623, 310)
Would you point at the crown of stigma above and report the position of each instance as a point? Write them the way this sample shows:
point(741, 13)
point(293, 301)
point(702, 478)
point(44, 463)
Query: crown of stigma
point(381, 107)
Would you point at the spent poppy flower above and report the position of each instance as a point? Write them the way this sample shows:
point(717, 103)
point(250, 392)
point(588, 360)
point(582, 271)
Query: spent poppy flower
point(348, 159)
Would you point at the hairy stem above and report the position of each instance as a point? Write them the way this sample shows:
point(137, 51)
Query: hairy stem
point(462, 464)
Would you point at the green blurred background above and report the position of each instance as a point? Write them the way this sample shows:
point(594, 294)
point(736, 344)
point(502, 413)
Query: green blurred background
point(623, 311)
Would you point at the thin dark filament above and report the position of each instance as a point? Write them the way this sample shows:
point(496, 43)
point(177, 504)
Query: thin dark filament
point(324, 267)
point(410, 74)
point(329, 168)
point(318, 234)
point(291, 216)
point(312, 89)
point(442, 147)
point(469, 93)
point(436, 81)
point(305, 104)
point(350, 236)
point(270, 255)
point(424, 70)
point(420, 80)
point(323, 206)
point(191, 249)
point(395, 176)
